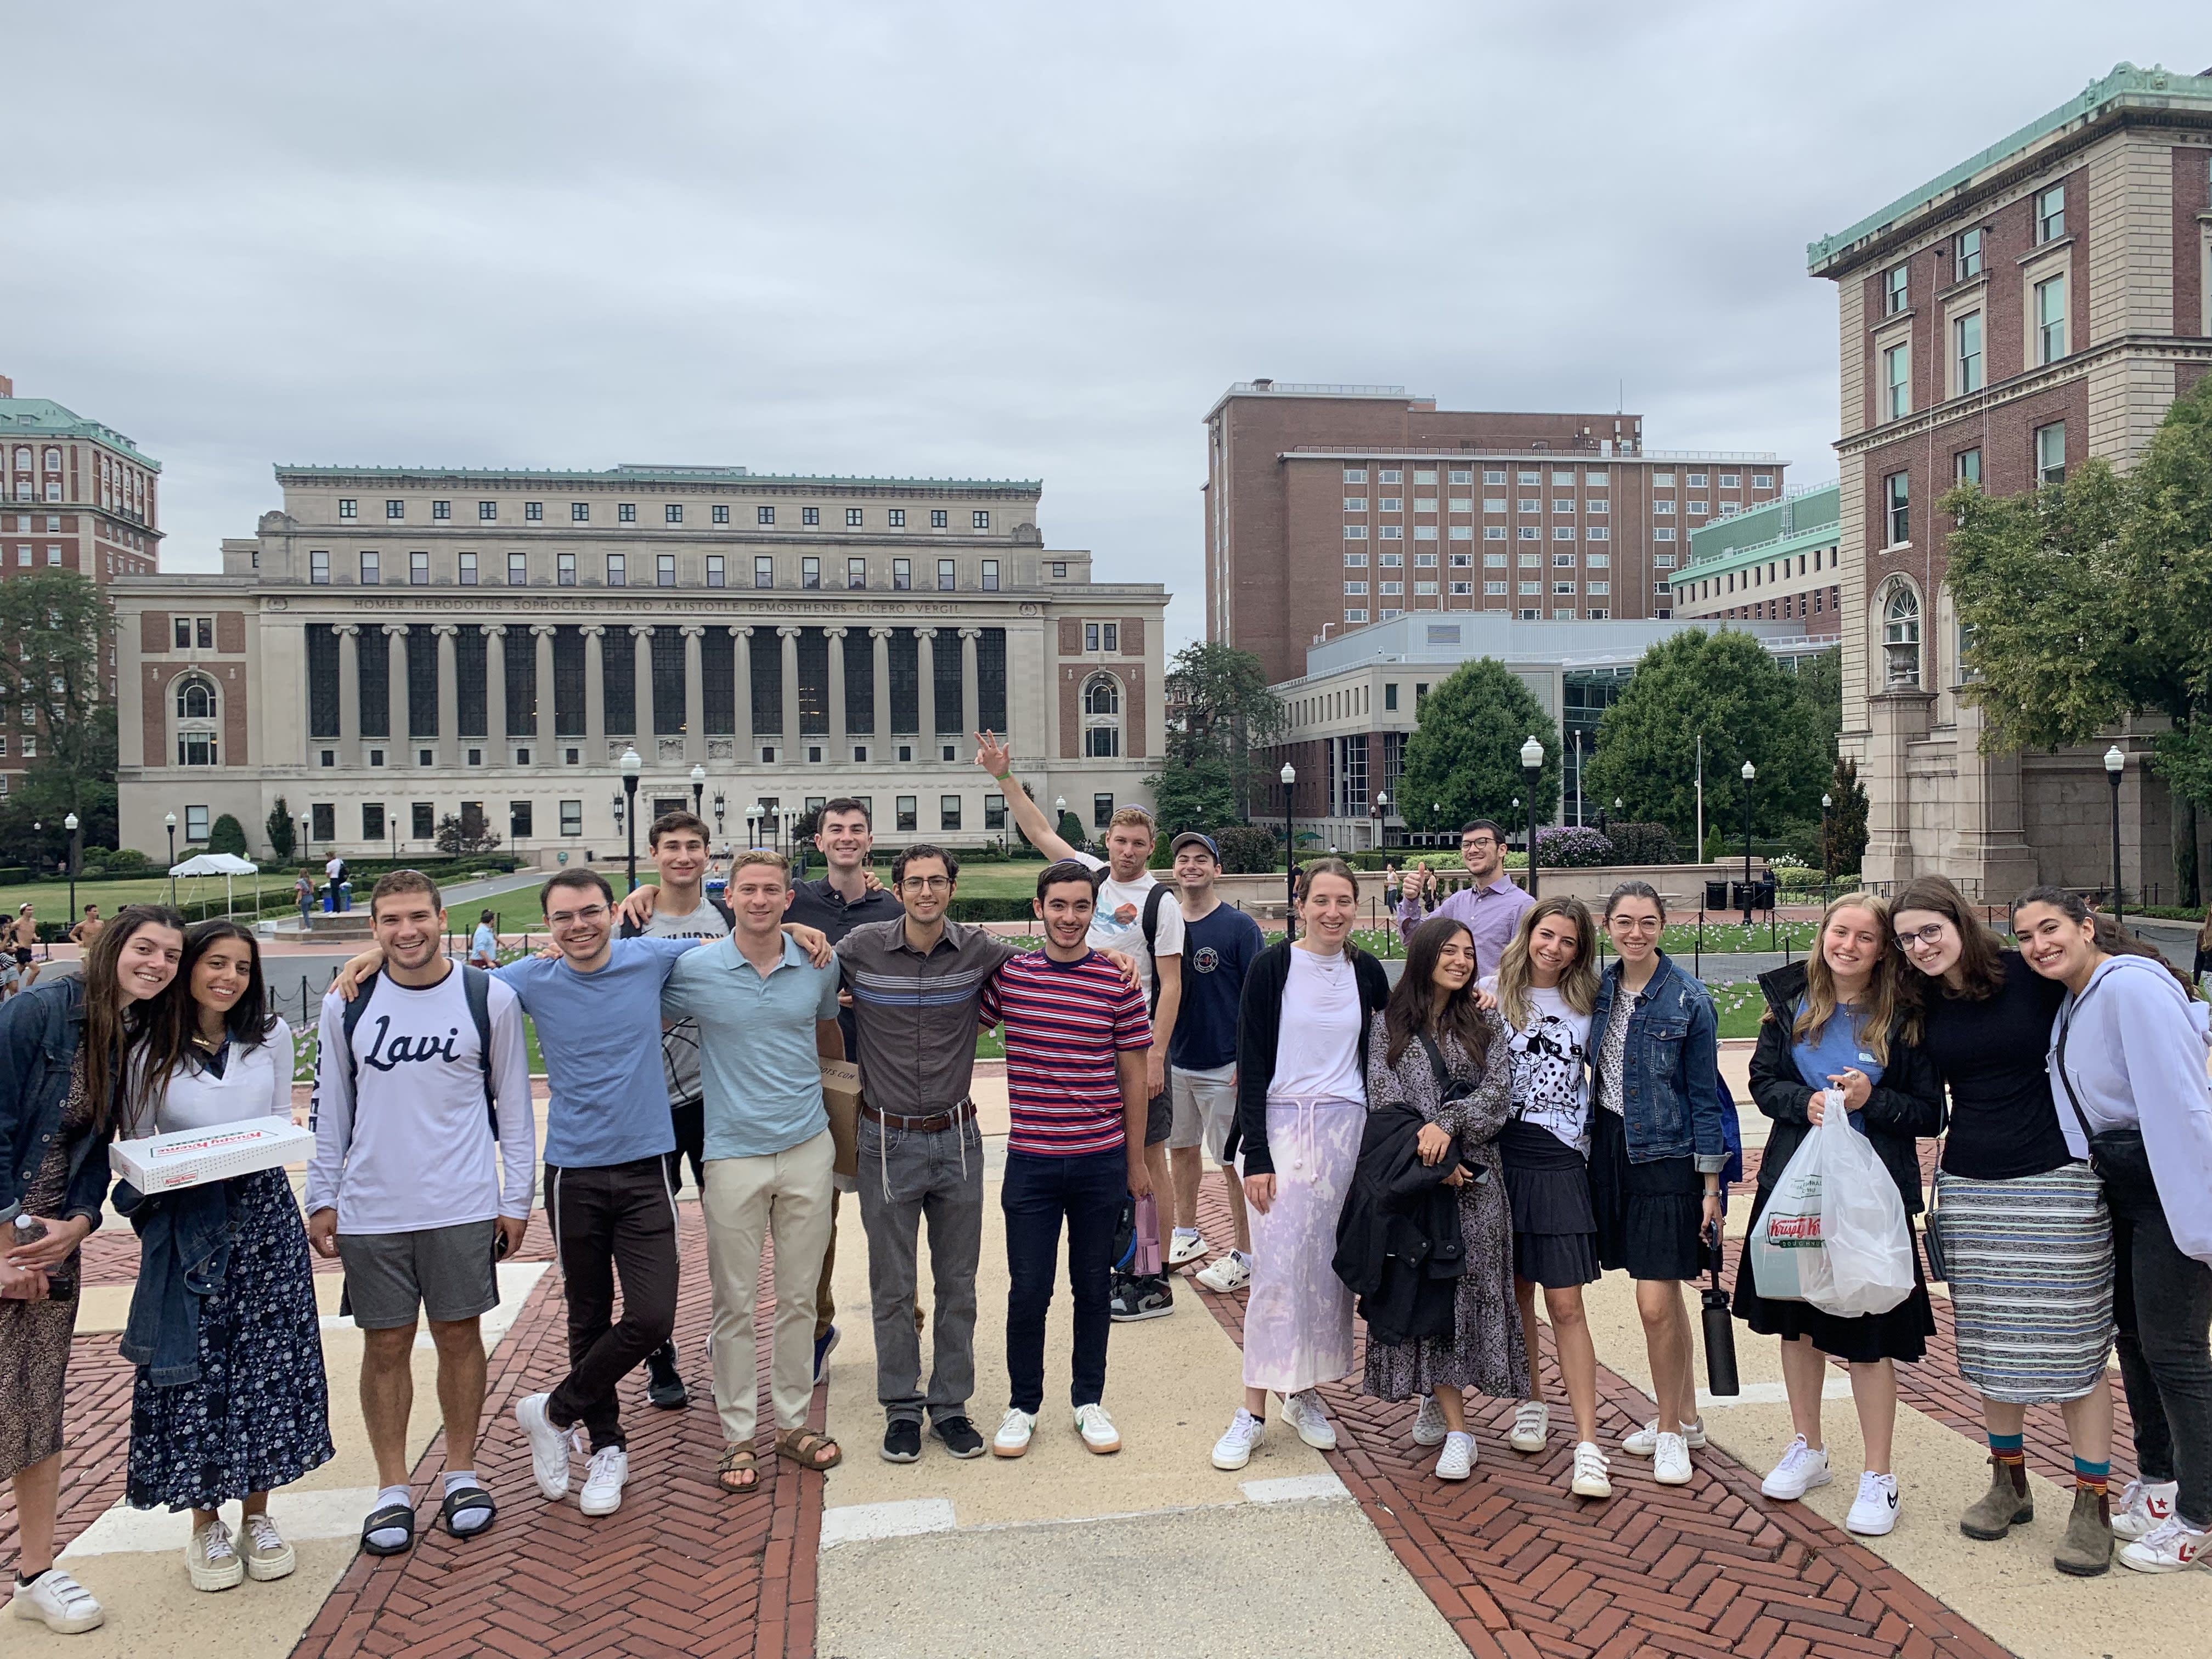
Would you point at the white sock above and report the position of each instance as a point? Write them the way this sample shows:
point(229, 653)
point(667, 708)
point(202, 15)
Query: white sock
point(472, 1517)
point(1244, 1257)
point(1186, 1232)
point(388, 1537)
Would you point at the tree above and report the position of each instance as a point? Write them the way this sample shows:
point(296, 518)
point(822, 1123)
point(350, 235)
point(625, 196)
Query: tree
point(1847, 817)
point(1220, 718)
point(227, 835)
point(54, 626)
point(1724, 687)
point(1465, 755)
point(279, 827)
point(2089, 600)
point(53, 788)
point(1247, 849)
point(455, 837)
point(1821, 687)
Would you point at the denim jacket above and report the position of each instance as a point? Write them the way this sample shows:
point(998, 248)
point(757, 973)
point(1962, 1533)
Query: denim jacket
point(183, 1240)
point(39, 1032)
point(1670, 1094)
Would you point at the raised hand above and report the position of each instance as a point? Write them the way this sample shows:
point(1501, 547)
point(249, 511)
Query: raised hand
point(995, 758)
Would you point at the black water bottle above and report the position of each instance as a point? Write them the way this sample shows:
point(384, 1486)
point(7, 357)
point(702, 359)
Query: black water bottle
point(1720, 1332)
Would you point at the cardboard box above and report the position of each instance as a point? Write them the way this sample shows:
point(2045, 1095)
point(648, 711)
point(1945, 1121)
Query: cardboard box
point(840, 1094)
point(188, 1157)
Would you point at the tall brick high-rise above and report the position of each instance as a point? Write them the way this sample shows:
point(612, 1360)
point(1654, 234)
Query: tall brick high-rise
point(1332, 507)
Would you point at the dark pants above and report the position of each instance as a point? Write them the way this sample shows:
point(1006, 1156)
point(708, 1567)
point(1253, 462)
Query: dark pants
point(691, 1123)
point(2162, 1301)
point(1037, 1194)
point(615, 1217)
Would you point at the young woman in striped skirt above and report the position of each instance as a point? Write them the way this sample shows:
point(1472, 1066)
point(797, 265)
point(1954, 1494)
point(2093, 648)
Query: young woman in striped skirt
point(2022, 1222)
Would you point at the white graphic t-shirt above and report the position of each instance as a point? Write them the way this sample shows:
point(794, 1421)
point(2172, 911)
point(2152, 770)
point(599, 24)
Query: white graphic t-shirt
point(1550, 1070)
point(1118, 924)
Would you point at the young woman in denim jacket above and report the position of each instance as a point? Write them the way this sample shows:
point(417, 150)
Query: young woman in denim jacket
point(1656, 1152)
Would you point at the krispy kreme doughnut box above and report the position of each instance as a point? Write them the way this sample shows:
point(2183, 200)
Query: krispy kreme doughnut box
point(187, 1157)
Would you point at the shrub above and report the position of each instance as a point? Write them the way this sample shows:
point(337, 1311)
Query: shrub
point(228, 835)
point(123, 861)
point(1642, 843)
point(1247, 849)
point(1573, 849)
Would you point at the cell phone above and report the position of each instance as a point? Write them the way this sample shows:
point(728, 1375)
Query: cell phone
point(498, 1243)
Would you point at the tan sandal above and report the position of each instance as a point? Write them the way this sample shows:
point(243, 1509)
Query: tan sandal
point(804, 1447)
point(737, 1460)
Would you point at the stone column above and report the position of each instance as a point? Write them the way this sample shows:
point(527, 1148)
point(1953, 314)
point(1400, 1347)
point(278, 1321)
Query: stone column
point(495, 638)
point(449, 692)
point(970, 684)
point(925, 675)
point(880, 640)
point(787, 643)
point(641, 669)
point(350, 692)
point(695, 696)
point(543, 753)
point(837, 738)
point(395, 692)
point(595, 697)
point(741, 662)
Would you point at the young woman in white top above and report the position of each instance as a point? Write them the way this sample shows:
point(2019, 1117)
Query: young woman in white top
point(1545, 988)
point(255, 1413)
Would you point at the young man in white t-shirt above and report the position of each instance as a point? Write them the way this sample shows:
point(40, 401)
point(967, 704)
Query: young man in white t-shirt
point(409, 1186)
point(1137, 914)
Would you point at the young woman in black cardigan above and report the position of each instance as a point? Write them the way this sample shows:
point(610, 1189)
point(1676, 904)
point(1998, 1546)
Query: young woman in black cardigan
point(1837, 1020)
point(1302, 1034)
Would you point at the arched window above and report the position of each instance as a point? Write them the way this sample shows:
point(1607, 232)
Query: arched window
point(1900, 637)
point(1103, 696)
point(54, 460)
point(1102, 716)
point(195, 699)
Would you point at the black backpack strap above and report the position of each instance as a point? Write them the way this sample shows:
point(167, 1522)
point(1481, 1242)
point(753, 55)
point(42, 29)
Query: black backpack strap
point(347, 1021)
point(476, 986)
point(1151, 927)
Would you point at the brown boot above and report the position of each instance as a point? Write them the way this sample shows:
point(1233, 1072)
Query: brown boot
point(2086, 1549)
point(2005, 1505)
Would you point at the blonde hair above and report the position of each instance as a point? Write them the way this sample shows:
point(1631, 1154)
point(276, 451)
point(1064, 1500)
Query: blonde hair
point(763, 855)
point(1577, 985)
point(1134, 818)
point(1879, 1011)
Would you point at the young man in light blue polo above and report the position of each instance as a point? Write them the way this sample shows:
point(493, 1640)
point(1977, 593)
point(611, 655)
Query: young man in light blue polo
point(766, 1018)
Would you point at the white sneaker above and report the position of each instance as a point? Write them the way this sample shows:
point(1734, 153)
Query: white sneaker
point(210, 1560)
point(1874, 1512)
point(2143, 1508)
point(1591, 1480)
point(2168, 1547)
point(1097, 1429)
point(1456, 1460)
point(1531, 1425)
point(603, 1481)
point(1231, 1272)
point(1185, 1246)
point(1645, 1441)
point(1303, 1411)
point(1235, 1449)
point(58, 1601)
point(267, 1555)
point(548, 1446)
point(1801, 1469)
point(1012, 1438)
point(1670, 1461)
point(1429, 1426)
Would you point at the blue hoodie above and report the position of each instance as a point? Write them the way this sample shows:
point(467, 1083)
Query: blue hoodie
point(2135, 1056)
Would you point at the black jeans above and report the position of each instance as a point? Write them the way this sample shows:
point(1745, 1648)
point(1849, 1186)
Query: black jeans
point(690, 1125)
point(1037, 1194)
point(609, 1218)
point(2162, 1301)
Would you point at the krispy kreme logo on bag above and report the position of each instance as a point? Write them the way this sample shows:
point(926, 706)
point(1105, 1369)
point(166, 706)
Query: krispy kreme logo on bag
point(1794, 1232)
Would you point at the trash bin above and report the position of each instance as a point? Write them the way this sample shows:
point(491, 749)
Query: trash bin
point(1762, 895)
point(1716, 896)
point(1743, 896)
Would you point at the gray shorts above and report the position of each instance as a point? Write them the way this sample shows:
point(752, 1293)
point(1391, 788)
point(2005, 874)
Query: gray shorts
point(1205, 1107)
point(1159, 1115)
point(445, 1272)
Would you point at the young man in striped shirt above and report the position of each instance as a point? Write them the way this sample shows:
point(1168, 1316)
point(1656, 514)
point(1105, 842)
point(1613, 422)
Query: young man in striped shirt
point(1077, 1036)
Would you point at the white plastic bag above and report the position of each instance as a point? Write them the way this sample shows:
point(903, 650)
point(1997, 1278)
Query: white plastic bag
point(1834, 1233)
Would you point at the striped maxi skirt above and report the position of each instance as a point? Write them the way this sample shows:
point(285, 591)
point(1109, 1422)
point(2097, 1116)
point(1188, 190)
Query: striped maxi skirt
point(2031, 1266)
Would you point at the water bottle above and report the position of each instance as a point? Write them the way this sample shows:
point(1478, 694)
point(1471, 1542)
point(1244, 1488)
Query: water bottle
point(61, 1280)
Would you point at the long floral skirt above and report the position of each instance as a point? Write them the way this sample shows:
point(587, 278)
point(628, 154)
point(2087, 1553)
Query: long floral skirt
point(1298, 1320)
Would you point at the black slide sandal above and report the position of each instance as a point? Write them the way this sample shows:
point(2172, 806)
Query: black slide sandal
point(469, 1498)
point(393, 1518)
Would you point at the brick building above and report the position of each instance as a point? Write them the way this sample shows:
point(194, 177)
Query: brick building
point(2039, 303)
point(1330, 507)
point(397, 647)
point(1777, 561)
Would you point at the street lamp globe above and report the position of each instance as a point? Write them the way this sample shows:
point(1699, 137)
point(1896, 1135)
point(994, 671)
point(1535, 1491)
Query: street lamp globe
point(169, 821)
point(70, 823)
point(1532, 754)
point(631, 762)
point(2115, 762)
point(1289, 774)
point(699, 776)
point(1826, 801)
point(1749, 771)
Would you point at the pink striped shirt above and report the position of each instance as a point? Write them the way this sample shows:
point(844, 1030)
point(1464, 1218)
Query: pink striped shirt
point(1066, 1024)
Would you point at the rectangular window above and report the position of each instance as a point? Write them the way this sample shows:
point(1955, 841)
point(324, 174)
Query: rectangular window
point(809, 573)
point(1894, 283)
point(948, 811)
point(1425, 532)
point(1427, 560)
point(1355, 533)
point(533, 511)
point(1563, 532)
point(368, 569)
point(856, 573)
point(441, 511)
point(945, 575)
point(1390, 475)
point(810, 515)
point(1392, 560)
point(418, 569)
point(990, 575)
point(1359, 615)
point(982, 520)
point(1562, 561)
point(1355, 475)
point(1355, 503)
point(1665, 532)
point(196, 824)
point(663, 572)
point(1762, 481)
point(1091, 636)
point(2050, 454)
point(1967, 353)
point(1394, 587)
point(1355, 561)
point(672, 513)
point(2050, 319)
point(580, 513)
point(2050, 214)
point(995, 812)
point(487, 512)
point(1463, 532)
point(626, 512)
point(1600, 587)
point(1966, 468)
point(565, 569)
point(1113, 636)
point(1897, 494)
point(1897, 382)
point(938, 518)
point(896, 518)
point(903, 810)
point(371, 821)
point(763, 515)
point(617, 571)
point(1355, 587)
point(853, 517)
point(901, 575)
point(1392, 532)
point(1391, 503)
point(1664, 509)
point(348, 507)
point(1493, 533)
point(763, 570)
point(716, 571)
point(1695, 480)
point(722, 512)
point(1598, 532)
point(572, 818)
point(1969, 260)
point(318, 567)
point(468, 570)
point(395, 509)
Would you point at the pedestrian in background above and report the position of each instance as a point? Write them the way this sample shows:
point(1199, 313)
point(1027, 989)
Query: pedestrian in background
point(1490, 904)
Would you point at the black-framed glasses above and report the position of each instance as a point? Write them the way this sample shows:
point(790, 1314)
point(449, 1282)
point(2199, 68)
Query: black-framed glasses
point(1931, 935)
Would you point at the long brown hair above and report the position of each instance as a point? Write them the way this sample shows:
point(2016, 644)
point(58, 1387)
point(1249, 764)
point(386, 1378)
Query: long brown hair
point(1981, 959)
point(114, 1030)
point(1878, 1010)
point(1407, 1014)
point(1577, 985)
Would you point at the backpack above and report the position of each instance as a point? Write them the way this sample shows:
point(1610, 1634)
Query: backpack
point(1151, 923)
point(476, 986)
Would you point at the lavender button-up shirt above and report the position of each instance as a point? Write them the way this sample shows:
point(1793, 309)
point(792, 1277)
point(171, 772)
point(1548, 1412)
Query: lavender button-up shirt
point(1490, 914)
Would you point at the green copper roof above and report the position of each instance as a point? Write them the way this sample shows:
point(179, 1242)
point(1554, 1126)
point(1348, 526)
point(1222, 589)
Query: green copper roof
point(644, 474)
point(2125, 87)
point(1771, 528)
point(42, 417)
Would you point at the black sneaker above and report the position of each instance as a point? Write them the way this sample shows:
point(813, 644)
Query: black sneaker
point(1134, 1298)
point(902, 1440)
point(663, 1387)
point(959, 1437)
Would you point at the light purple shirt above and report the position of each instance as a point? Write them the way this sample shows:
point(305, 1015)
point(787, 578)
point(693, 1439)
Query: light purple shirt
point(1489, 914)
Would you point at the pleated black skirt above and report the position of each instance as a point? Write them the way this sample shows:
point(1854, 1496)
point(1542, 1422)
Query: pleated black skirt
point(1554, 1228)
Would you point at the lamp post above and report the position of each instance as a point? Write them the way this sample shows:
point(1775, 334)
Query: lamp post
point(1827, 853)
point(170, 821)
point(1749, 772)
point(70, 823)
point(2115, 763)
point(1582, 760)
point(1436, 817)
point(1532, 766)
point(698, 788)
point(632, 764)
point(1382, 817)
point(1290, 775)
point(753, 825)
point(1059, 813)
point(721, 805)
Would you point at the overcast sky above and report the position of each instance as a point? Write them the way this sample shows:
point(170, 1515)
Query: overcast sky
point(983, 240)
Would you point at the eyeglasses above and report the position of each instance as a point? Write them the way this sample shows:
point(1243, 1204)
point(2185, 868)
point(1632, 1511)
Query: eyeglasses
point(589, 913)
point(1924, 937)
point(927, 884)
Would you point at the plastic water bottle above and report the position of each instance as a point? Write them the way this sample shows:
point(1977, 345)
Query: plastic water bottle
point(61, 1280)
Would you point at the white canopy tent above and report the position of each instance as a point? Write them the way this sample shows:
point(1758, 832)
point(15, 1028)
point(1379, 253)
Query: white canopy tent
point(225, 865)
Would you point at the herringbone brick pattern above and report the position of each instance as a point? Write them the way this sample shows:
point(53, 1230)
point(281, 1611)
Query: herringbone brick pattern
point(1520, 1567)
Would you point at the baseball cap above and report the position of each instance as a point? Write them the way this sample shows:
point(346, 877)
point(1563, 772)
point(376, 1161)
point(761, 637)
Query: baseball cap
point(1191, 836)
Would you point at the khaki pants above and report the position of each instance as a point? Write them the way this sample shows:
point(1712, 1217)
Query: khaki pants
point(784, 1196)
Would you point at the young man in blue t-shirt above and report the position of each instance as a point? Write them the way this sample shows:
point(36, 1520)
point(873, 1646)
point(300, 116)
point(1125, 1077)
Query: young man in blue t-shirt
point(1218, 944)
